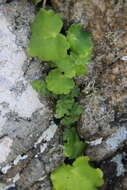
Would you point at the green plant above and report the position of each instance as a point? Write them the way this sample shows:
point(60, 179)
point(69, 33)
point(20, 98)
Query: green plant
point(58, 83)
point(41, 87)
point(73, 146)
point(68, 57)
point(68, 110)
point(79, 176)
point(48, 44)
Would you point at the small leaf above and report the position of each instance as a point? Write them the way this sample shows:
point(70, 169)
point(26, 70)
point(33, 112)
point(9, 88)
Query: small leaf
point(40, 86)
point(58, 83)
point(81, 70)
point(50, 49)
point(73, 146)
point(75, 92)
point(81, 64)
point(94, 175)
point(67, 66)
point(63, 107)
point(73, 116)
point(80, 41)
point(47, 24)
point(76, 109)
point(79, 176)
point(69, 120)
point(46, 43)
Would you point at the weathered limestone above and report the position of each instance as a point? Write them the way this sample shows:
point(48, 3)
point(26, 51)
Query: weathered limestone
point(18, 101)
point(26, 130)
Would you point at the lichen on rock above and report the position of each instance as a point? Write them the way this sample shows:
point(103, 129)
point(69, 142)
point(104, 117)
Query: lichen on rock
point(25, 117)
point(104, 88)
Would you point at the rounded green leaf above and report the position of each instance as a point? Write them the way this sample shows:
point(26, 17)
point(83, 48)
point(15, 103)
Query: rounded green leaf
point(59, 176)
point(80, 41)
point(47, 24)
point(73, 147)
point(75, 92)
point(94, 175)
point(67, 66)
point(46, 43)
point(63, 107)
point(58, 83)
point(40, 87)
point(69, 120)
point(79, 176)
point(81, 64)
point(49, 49)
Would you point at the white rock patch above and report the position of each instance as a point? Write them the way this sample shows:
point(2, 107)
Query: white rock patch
point(27, 103)
point(95, 142)
point(5, 168)
point(47, 135)
point(19, 158)
point(124, 58)
point(120, 166)
point(24, 102)
point(12, 58)
point(5, 148)
point(16, 178)
point(116, 139)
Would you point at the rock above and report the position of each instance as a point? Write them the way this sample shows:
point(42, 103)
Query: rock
point(27, 135)
point(71, 11)
point(118, 159)
point(107, 147)
point(47, 156)
point(96, 118)
point(21, 109)
point(104, 97)
point(30, 145)
point(2, 1)
point(114, 172)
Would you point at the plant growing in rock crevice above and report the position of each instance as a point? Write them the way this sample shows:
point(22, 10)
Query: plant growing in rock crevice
point(48, 44)
point(68, 56)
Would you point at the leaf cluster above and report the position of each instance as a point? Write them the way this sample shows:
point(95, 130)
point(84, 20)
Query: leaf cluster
point(79, 176)
point(73, 146)
point(69, 56)
point(48, 44)
point(67, 109)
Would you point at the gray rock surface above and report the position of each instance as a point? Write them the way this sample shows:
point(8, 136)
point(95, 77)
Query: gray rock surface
point(107, 147)
point(104, 89)
point(29, 142)
point(2, 1)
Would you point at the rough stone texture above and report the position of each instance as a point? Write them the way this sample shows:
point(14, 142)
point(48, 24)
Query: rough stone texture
point(104, 96)
point(109, 146)
point(30, 144)
point(115, 172)
point(2, 1)
point(20, 108)
point(97, 117)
